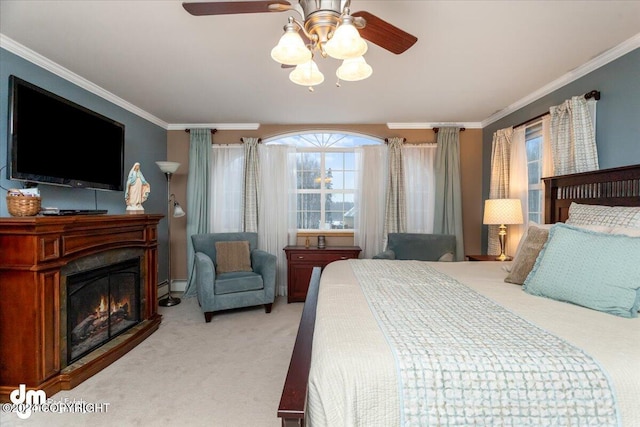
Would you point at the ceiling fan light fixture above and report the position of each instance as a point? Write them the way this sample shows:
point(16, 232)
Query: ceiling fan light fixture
point(354, 69)
point(307, 74)
point(291, 49)
point(346, 42)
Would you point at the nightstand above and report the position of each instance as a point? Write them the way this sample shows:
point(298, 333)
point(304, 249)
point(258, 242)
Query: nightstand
point(485, 258)
point(300, 263)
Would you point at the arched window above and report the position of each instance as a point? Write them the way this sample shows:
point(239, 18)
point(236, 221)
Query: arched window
point(326, 177)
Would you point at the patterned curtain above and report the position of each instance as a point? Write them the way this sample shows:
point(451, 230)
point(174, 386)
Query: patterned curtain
point(395, 206)
point(448, 208)
point(573, 139)
point(251, 185)
point(198, 207)
point(499, 182)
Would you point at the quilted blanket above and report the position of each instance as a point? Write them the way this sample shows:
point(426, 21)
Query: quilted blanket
point(463, 359)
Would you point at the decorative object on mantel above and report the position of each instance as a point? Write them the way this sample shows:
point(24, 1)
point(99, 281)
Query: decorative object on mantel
point(501, 212)
point(23, 202)
point(138, 190)
point(322, 243)
point(169, 168)
point(328, 27)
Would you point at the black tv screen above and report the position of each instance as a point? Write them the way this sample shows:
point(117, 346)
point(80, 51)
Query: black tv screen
point(56, 141)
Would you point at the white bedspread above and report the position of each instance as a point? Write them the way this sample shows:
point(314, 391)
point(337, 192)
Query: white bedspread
point(362, 389)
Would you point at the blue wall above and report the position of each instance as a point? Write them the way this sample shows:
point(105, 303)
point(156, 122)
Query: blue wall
point(617, 116)
point(145, 142)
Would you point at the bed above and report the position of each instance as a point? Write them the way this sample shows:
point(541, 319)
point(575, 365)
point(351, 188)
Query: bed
point(467, 348)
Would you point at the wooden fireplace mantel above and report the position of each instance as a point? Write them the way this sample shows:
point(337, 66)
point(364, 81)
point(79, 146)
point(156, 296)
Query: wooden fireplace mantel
point(33, 252)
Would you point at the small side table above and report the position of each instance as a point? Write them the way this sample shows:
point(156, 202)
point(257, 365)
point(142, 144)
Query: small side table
point(485, 258)
point(300, 263)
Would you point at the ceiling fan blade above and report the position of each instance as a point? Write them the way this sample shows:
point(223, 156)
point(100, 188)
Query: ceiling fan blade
point(233, 7)
point(383, 34)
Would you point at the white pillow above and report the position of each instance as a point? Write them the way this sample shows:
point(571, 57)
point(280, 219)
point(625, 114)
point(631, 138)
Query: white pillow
point(612, 216)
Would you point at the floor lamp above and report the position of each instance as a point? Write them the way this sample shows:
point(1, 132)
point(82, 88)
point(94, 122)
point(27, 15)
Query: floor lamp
point(169, 168)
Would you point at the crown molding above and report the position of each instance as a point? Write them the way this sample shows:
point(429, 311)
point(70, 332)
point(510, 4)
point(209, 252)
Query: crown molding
point(218, 126)
point(597, 62)
point(39, 60)
point(431, 125)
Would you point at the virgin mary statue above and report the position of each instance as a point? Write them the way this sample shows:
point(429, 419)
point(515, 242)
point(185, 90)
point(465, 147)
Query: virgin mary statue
point(138, 189)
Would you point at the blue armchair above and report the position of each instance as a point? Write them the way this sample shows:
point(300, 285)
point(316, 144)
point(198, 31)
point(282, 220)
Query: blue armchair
point(418, 246)
point(246, 277)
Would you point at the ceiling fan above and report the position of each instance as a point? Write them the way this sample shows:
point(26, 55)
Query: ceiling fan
point(320, 18)
point(328, 27)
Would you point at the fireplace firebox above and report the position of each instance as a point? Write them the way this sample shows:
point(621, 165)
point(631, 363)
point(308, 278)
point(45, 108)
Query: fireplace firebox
point(101, 304)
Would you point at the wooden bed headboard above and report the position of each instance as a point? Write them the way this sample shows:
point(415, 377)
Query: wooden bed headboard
point(610, 187)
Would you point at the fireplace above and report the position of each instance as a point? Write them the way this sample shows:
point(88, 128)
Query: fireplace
point(73, 264)
point(101, 304)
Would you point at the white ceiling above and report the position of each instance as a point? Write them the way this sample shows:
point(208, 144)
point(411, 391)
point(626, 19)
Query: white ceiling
point(474, 60)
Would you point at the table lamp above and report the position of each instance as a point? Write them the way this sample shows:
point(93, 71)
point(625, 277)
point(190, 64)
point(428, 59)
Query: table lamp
point(501, 212)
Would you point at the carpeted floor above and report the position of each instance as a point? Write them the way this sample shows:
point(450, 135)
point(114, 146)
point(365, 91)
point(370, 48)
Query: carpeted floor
point(226, 373)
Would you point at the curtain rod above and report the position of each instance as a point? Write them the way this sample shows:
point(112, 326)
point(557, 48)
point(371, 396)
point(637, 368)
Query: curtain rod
point(213, 131)
point(595, 94)
point(435, 130)
point(386, 140)
point(259, 140)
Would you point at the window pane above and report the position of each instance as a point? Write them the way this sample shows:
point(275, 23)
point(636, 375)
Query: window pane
point(533, 149)
point(337, 180)
point(349, 180)
point(334, 161)
point(350, 161)
point(533, 172)
point(534, 200)
point(309, 210)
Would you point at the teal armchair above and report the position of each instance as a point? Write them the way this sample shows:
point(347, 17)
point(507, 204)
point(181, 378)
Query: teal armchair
point(419, 246)
point(217, 290)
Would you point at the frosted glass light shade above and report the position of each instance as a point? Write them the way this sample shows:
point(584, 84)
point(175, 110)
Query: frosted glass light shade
point(502, 211)
point(354, 69)
point(168, 167)
point(177, 210)
point(307, 74)
point(291, 49)
point(346, 42)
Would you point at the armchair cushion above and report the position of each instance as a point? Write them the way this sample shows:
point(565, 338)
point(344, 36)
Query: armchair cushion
point(419, 246)
point(228, 283)
point(232, 256)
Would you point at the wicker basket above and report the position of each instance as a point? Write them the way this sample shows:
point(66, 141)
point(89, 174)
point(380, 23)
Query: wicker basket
point(20, 205)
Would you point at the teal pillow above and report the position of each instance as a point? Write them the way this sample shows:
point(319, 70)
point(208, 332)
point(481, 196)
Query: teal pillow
point(595, 270)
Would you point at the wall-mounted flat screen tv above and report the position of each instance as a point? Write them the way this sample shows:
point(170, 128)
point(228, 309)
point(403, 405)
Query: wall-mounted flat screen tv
point(55, 141)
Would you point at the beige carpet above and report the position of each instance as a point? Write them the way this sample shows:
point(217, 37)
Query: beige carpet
point(227, 373)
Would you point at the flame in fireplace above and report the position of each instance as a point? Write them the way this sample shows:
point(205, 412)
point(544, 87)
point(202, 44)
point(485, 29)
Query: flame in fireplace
point(101, 310)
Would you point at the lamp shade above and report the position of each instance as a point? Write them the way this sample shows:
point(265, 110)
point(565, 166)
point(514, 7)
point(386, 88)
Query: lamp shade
point(291, 50)
point(502, 211)
point(307, 74)
point(168, 167)
point(346, 41)
point(177, 210)
point(354, 69)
